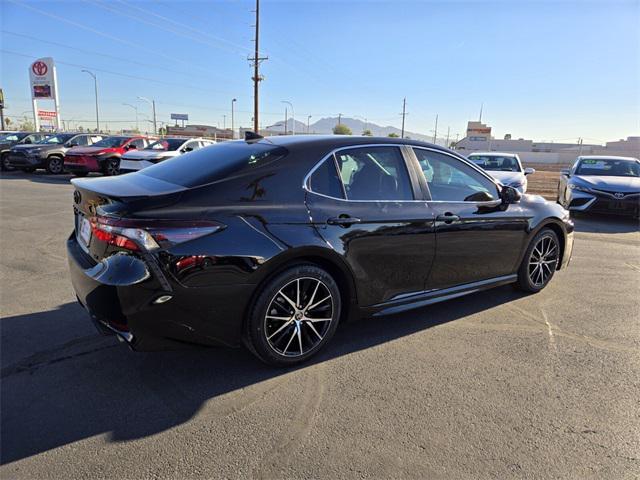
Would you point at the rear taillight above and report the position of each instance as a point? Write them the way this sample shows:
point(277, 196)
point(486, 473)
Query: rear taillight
point(145, 234)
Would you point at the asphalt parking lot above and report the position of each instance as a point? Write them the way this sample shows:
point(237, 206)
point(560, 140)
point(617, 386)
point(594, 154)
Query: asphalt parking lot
point(493, 385)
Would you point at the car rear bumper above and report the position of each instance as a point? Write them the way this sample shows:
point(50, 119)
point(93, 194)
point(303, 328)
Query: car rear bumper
point(128, 166)
point(120, 295)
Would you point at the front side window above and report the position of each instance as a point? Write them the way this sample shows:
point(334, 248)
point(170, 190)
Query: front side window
point(451, 180)
point(139, 143)
point(111, 142)
point(80, 140)
point(167, 144)
point(374, 173)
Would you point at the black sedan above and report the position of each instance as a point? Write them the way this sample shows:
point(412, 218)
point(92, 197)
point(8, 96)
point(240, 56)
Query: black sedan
point(273, 242)
point(601, 184)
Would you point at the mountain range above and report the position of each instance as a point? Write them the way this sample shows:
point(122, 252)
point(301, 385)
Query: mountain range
point(324, 126)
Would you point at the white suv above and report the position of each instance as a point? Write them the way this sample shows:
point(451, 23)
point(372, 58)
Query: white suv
point(163, 149)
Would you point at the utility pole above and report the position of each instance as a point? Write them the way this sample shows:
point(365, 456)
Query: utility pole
point(481, 105)
point(339, 118)
point(308, 118)
point(95, 86)
point(255, 62)
point(293, 117)
point(447, 145)
point(580, 145)
point(233, 132)
point(435, 131)
point(285, 120)
point(224, 122)
point(404, 113)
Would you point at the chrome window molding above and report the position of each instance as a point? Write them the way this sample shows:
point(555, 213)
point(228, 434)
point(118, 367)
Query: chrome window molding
point(307, 188)
point(306, 185)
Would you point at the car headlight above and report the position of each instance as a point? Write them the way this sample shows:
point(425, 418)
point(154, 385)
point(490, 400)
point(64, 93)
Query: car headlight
point(573, 186)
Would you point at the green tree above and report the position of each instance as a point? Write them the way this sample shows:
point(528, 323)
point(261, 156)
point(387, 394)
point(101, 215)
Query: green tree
point(367, 133)
point(342, 129)
point(393, 135)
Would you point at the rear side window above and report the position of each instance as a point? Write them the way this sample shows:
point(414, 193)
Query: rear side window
point(374, 173)
point(211, 164)
point(325, 180)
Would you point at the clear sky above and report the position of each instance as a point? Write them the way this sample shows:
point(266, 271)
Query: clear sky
point(544, 70)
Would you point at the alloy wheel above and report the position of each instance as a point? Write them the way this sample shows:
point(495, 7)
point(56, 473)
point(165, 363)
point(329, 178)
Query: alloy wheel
point(543, 260)
point(112, 168)
point(55, 165)
point(299, 316)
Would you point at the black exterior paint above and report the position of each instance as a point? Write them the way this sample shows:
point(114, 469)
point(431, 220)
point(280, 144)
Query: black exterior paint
point(397, 256)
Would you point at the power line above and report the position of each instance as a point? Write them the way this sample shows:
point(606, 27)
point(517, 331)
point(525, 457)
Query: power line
point(105, 35)
point(156, 25)
point(106, 55)
point(126, 75)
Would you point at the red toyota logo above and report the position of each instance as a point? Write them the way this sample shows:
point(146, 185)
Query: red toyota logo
point(39, 68)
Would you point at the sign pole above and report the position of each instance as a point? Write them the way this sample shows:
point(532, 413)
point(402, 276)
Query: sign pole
point(56, 102)
point(36, 119)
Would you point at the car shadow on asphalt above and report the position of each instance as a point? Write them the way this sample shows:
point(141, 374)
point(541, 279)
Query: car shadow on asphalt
point(64, 393)
point(39, 176)
point(599, 223)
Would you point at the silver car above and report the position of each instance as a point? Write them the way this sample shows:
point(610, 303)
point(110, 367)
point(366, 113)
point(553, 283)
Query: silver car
point(163, 149)
point(504, 167)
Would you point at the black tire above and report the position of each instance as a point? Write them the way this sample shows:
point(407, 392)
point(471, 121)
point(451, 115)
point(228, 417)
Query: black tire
point(80, 174)
point(540, 262)
point(55, 165)
point(266, 335)
point(4, 163)
point(28, 169)
point(111, 167)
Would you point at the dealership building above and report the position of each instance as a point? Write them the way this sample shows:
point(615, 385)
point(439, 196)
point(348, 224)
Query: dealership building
point(479, 138)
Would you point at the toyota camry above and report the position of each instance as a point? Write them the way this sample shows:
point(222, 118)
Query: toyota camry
point(272, 242)
point(601, 184)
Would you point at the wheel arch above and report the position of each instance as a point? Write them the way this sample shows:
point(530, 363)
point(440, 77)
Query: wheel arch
point(321, 257)
point(554, 225)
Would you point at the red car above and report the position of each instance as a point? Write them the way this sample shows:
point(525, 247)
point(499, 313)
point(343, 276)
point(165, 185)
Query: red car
point(103, 156)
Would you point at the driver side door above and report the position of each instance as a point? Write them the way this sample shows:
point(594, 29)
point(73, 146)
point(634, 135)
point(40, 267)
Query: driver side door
point(477, 236)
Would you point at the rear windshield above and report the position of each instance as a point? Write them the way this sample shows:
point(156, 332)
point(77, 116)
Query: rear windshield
point(214, 163)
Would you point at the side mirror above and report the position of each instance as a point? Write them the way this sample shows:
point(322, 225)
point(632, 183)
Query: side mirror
point(131, 147)
point(509, 195)
point(72, 144)
point(187, 149)
point(566, 172)
point(529, 171)
point(28, 140)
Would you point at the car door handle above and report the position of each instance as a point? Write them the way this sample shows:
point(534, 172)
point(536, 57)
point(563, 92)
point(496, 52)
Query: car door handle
point(343, 220)
point(448, 218)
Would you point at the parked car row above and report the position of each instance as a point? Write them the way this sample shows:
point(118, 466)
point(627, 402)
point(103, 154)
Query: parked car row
point(82, 153)
point(595, 183)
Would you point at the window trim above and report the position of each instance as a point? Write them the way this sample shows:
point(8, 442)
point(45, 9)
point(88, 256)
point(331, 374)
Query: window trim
point(465, 161)
point(415, 189)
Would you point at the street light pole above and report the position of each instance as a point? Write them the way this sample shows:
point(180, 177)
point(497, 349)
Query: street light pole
point(308, 118)
point(136, 109)
point(95, 86)
point(293, 118)
point(153, 108)
point(233, 132)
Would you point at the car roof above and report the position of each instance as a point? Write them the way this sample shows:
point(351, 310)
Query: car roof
point(496, 154)
point(607, 157)
point(338, 141)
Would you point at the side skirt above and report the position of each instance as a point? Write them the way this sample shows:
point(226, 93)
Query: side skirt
point(420, 299)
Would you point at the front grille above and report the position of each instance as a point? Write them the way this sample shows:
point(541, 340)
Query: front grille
point(628, 206)
point(612, 193)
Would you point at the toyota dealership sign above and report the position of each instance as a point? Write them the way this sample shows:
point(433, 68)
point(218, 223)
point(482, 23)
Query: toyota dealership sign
point(43, 78)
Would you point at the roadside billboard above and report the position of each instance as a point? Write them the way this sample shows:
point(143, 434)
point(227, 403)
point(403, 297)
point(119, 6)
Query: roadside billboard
point(44, 86)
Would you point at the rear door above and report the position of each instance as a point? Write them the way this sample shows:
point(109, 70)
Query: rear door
point(367, 206)
point(478, 238)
